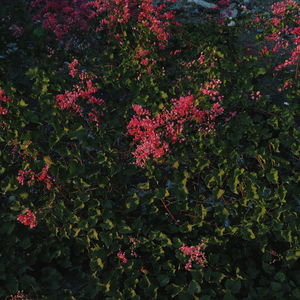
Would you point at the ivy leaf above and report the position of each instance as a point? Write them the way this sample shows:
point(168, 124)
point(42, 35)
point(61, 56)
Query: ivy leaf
point(163, 279)
point(234, 285)
point(174, 289)
point(272, 176)
point(124, 229)
point(194, 287)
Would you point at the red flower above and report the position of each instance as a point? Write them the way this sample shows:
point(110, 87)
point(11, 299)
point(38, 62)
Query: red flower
point(122, 256)
point(61, 17)
point(84, 92)
point(196, 255)
point(3, 98)
point(28, 218)
point(3, 111)
point(29, 175)
point(153, 134)
point(296, 31)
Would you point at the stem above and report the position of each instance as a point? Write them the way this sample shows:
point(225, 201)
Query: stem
point(167, 209)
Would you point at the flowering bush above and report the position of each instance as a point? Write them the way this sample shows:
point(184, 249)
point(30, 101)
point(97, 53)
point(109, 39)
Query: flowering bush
point(127, 134)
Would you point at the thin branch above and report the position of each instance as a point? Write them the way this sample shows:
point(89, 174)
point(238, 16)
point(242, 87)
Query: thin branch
point(169, 212)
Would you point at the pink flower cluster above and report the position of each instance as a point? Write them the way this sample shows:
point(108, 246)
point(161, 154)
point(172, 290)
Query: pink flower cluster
point(284, 32)
point(200, 60)
point(19, 296)
point(22, 150)
point(280, 9)
point(286, 85)
point(28, 218)
point(44, 177)
point(30, 177)
point(143, 60)
point(62, 16)
point(211, 88)
point(122, 256)
point(153, 18)
point(154, 134)
point(3, 98)
point(135, 243)
point(276, 257)
point(85, 91)
point(196, 255)
point(17, 31)
point(256, 95)
point(175, 52)
point(143, 13)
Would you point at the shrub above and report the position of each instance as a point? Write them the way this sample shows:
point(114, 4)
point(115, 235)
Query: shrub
point(145, 158)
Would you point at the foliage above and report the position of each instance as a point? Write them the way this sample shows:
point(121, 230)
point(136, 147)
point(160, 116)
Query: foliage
point(142, 158)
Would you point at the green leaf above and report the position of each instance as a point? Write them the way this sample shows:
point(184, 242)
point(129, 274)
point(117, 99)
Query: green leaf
point(7, 228)
point(251, 233)
point(296, 293)
point(107, 224)
point(219, 54)
point(292, 255)
point(176, 164)
point(261, 71)
point(93, 234)
point(234, 285)
point(11, 283)
point(261, 213)
point(174, 289)
point(275, 286)
point(234, 180)
point(163, 279)
point(124, 229)
point(29, 281)
point(22, 103)
point(280, 277)
point(273, 122)
point(48, 160)
point(143, 186)
point(38, 32)
point(220, 193)
point(76, 232)
point(272, 176)
point(100, 263)
point(164, 95)
point(194, 287)
point(24, 196)
point(229, 297)
point(247, 233)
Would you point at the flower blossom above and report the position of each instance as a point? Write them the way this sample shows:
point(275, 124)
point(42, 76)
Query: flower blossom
point(196, 255)
point(144, 13)
point(283, 33)
point(83, 92)
point(17, 31)
point(28, 218)
point(153, 135)
point(5, 99)
point(61, 17)
point(29, 176)
point(122, 256)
